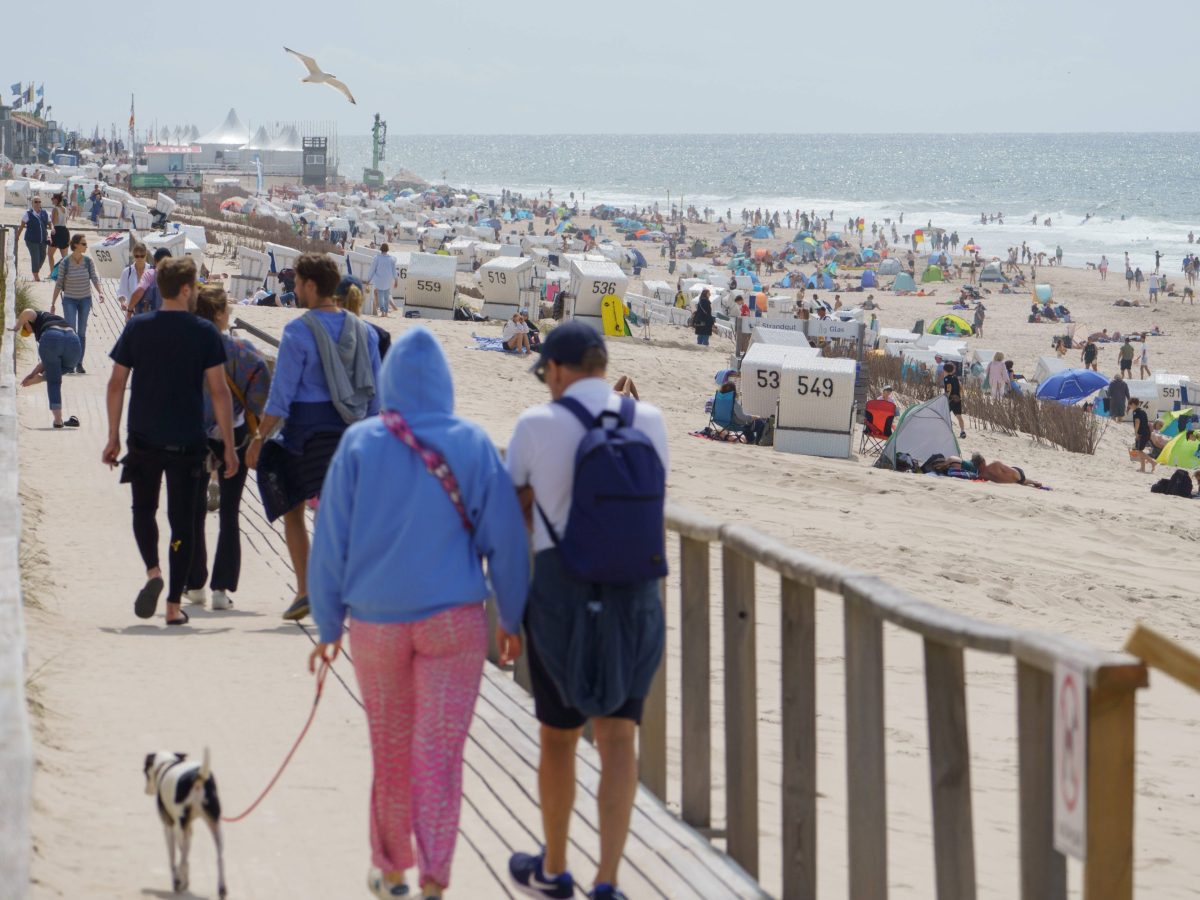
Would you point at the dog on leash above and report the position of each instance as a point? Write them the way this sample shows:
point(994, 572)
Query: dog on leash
point(185, 791)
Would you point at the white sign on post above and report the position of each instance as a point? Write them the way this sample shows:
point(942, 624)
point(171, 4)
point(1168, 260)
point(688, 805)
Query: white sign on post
point(1070, 762)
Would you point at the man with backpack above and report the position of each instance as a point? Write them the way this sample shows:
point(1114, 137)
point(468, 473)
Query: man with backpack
point(590, 469)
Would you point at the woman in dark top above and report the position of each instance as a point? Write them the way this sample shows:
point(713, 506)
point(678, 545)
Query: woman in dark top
point(703, 320)
point(59, 350)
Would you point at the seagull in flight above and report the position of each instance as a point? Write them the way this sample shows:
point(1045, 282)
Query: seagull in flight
point(316, 76)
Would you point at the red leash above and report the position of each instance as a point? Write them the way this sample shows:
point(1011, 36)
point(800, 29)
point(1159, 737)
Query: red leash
point(322, 673)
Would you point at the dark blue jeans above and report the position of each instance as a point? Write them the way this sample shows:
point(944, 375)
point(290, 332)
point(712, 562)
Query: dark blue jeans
point(60, 351)
point(76, 311)
point(37, 255)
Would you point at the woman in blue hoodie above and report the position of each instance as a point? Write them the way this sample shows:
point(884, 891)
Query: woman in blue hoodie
point(413, 500)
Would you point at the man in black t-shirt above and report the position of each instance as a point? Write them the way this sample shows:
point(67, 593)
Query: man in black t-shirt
point(1141, 437)
point(953, 390)
point(172, 354)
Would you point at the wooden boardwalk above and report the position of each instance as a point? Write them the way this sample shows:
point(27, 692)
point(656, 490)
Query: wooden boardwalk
point(664, 858)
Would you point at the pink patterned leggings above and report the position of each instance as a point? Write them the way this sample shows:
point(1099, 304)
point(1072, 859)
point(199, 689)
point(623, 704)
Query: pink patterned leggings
point(419, 682)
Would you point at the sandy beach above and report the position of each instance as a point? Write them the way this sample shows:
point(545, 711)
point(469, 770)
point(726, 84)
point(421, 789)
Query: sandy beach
point(1088, 558)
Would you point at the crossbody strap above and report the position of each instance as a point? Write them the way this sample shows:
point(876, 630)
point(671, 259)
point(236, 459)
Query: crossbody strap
point(435, 463)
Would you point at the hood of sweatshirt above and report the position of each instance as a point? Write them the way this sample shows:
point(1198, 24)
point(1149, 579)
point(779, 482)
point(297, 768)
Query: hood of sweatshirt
point(416, 377)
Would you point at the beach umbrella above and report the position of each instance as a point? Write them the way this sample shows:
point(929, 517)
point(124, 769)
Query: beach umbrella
point(1172, 419)
point(1182, 451)
point(972, 248)
point(1071, 386)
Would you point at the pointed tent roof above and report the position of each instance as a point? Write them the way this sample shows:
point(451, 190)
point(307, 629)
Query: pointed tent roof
point(260, 141)
point(231, 131)
point(287, 139)
point(194, 133)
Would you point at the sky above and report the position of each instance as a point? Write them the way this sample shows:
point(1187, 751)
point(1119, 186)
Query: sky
point(623, 67)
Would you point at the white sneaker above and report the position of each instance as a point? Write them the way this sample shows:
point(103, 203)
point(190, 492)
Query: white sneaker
point(197, 597)
point(221, 600)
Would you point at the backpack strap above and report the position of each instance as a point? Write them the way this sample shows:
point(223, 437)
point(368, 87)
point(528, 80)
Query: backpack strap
point(435, 463)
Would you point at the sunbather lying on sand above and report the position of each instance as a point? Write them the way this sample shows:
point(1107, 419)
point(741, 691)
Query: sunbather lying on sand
point(1000, 473)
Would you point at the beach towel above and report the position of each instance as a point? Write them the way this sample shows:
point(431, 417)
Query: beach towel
point(489, 343)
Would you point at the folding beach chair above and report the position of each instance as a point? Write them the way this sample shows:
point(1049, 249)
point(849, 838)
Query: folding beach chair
point(877, 426)
point(721, 417)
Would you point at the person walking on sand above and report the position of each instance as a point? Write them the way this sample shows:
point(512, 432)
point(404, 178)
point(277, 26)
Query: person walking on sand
point(1125, 358)
point(998, 379)
point(1103, 268)
point(326, 370)
point(1090, 354)
point(382, 278)
point(703, 319)
point(173, 356)
point(597, 573)
point(415, 499)
point(35, 224)
point(1144, 362)
point(76, 278)
point(1142, 441)
point(249, 381)
point(953, 388)
point(58, 351)
point(1118, 398)
point(977, 324)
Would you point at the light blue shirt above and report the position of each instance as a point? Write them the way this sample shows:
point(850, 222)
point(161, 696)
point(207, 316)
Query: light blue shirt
point(383, 272)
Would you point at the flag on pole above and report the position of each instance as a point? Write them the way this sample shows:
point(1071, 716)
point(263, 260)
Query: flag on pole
point(131, 112)
point(29, 93)
point(37, 110)
point(16, 89)
point(41, 91)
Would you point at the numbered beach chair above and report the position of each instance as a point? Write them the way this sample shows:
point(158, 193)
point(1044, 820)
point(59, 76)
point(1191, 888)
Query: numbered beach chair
point(877, 426)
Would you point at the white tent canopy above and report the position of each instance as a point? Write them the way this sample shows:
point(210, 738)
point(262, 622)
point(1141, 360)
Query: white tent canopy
point(231, 132)
point(260, 141)
point(922, 431)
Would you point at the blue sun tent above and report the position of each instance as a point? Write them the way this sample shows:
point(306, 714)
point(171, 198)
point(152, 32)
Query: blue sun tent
point(825, 282)
point(869, 280)
point(761, 232)
point(904, 282)
point(890, 267)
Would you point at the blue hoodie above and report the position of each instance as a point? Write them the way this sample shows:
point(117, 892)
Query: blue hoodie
point(389, 545)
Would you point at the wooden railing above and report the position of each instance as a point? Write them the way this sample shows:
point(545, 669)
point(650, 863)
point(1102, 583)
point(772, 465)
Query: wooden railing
point(1112, 682)
point(867, 603)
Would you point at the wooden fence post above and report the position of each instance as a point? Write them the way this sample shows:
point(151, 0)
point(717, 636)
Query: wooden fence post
point(799, 733)
point(1112, 720)
point(1043, 869)
point(652, 735)
point(695, 675)
point(741, 712)
point(866, 774)
point(949, 771)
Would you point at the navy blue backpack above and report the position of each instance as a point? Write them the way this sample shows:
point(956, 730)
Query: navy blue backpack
point(614, 533)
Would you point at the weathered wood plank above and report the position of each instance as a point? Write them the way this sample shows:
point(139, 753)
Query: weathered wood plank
point(866, 776)
point(652, 735)
point(1043, 869)
point(695, 677)
point(799, 734)
point(1112, 722)
point(1102, 669)
point(950, 772)
point(741, 711)
point(1164, 654)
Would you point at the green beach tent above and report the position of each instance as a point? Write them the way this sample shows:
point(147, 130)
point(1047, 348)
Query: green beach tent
point(950, 324)
point(1181, 452)
point(933, 273)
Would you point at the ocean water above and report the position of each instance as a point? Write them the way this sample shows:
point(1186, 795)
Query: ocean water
point(1140, 189)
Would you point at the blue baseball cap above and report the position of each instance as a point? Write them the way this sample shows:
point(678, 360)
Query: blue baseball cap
point(567, 345)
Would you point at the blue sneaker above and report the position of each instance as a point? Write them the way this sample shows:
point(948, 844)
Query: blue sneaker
point(606, 892)
point(528, 875)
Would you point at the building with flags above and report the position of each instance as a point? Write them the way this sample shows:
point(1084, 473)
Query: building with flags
point(27, 132)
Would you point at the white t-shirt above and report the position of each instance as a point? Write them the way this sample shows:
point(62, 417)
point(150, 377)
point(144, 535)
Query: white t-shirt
point(541, 451)
point(512, 329)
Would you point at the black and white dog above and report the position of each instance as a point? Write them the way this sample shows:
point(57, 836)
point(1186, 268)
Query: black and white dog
point(185, 790)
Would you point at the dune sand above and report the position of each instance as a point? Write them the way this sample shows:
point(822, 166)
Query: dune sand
point(1088, 558)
